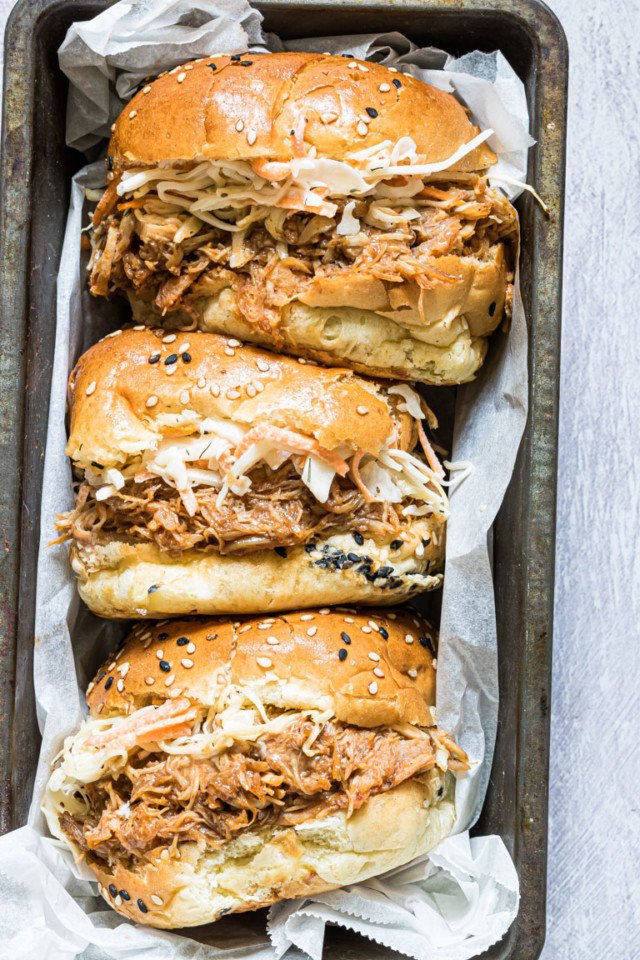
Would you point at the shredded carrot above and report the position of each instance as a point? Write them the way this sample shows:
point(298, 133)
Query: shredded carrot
point(107, 203)
point(291, 440)
point(132, 204)
point(173, 718)
point(357, 479)
point(429, 453)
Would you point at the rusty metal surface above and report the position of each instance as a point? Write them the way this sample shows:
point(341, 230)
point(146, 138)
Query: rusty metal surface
point(36, 168)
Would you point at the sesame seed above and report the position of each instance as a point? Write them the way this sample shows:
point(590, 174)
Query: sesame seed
point(373, 688)
point(191, 648)
point(342, 654)
point(366, 629)
point(373, 113)
point(307, 616)
point(142, 907)
point(374, 656)
point(113, 890)
point(378, 671)
point(359, 539)
point(234, 343)
point(409, 638)
point(352, 66)
point(182, 641)
point(154, 357)
point(187, 663)
point(109, 683)
point(184, 347)
point(262, 365)
point(240, 126)
point(397, 84)
point(149, 680)
point(259, 386)
point(113, 128)
point(345, 637)
point(232, 394)
point(264, 662)
point(170, 337)
point(362, 128)
point(201, 382)
point(170, 370)
point(362, 68)
point(273, 641)
point(251, 390)
point(311, 632)
point(159, 654)
point(157, 900)
point(324, 611)
point(214, 390)
point(184, 396)
point(165, 666)
point(349, 620)
point(132, 114)
point(265, 625)
point(181, 77)
point(91, 388)
point(384, 88)
point(251, 137)
point(393, 69)
point(363, 411)
point(230, 352)
point(170, 680)
point(171, 359)
point(125, 895)
point(146, 89)
point(413, 673)
point(120, 686)
point(374, 626)
point(434, 664)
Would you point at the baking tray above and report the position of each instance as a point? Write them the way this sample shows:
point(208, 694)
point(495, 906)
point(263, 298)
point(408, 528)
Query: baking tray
point(36, 171)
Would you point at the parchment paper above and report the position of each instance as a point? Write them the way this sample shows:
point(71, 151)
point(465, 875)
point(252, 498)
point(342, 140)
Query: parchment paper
point(462, 898)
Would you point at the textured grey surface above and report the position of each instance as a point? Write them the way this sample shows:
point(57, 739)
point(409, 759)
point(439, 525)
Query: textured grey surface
point(594, 845)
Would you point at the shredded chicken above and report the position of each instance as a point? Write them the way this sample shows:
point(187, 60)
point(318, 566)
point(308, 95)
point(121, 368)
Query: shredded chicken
point(275, 781)
point(280, 252)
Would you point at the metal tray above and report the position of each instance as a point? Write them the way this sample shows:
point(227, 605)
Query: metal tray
point(36, 170)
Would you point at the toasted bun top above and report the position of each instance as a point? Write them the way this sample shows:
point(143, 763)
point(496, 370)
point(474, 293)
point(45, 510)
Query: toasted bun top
point(194, 111)
point(304, 669)
point(117, 394)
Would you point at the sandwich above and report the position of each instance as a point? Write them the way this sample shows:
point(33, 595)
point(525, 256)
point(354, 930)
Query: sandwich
point(214, 477)
point(330, 208)
point(225, 766)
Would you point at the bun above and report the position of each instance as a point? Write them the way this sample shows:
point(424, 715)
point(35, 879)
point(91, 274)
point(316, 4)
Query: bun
point(257, 870)
point(113, 381)
point(305, 672)
point(439, 341)
point(193, 112)
point(114, 580)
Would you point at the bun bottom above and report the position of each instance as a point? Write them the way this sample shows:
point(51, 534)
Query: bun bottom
point(116, 580)
point(258, 869)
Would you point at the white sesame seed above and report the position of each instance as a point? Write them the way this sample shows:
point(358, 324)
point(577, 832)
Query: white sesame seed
point(170, 337)
point(191, 648)
point(324, 611)
point(392, 616)
point(186, 663)
point(214, 390)
point(384, 88)
point(184, 347)
point(181, 76)
point(366, 629)
point(151, 401)
point(363, 411)
point(114, 333)
point(160, 654)
point(201, 383)
point(419, 551)
point(311, 632)
point(184, 396)
point(138, 326)
point(189, 66)
point(262, 365)
point(230, 352)
point(393, 69)
point(113, 128)
point(365, 118)
point(170, 370)
point(349, 620)
point(234, 343)
point(117, 900)
point(379, 672)
point(170, 679)
point(146, 89)
point(265, 625)
point(413, 673)
point(373, 688)
point(111, 666)
point(374, 626)
point(273, 641)
point(232, 394)
point(329, 117)
point(120, 686)
point(251, 137)
point(157, 900)
point(259, 386)
point(352, 66)
point(408, 638)
point(149, 680)
point(434, 663)
point(240, 126)
point(362, 68)
point(244, 629)
point(123, 669)
point(374, 656)
point(301, 360)
point(251, 390)
point(132, 114)
point(264, 662)
point(91, 388)
point(307, 616)
point(165, 854)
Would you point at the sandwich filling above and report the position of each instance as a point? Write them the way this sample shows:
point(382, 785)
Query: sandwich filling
point(125, 788)
point(269, 230)
point(234, 487)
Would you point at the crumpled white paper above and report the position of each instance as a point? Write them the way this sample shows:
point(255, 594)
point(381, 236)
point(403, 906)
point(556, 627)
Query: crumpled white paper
point(463, 897)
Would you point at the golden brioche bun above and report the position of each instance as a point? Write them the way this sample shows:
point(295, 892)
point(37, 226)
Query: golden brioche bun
point(193, 112)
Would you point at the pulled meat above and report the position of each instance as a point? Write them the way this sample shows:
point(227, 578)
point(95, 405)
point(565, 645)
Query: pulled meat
point(277, 511)
point(134, 248)
point(160, 800)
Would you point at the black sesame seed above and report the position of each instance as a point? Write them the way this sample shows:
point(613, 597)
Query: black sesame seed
point(98, 466)
point(394, 583)
point(354, 556)
point(426, 541)
point(322, 563)
point(172, 358)
point(428, 643)
point(165, 665)
point(236, 57)
point(125, 895)
point(345, 637)
point(109, 683)
point(246, 63)
point(186, 357)
point(182, 641)
point(385, 571)
point(101, 676)
point(113, 890)
point(372, 112)
point(281, 551)
point(396, 83)
point(383, 633)
point(162, 636)
point(310, 547)
point(370, 577)
point(359, 539)
point(213, 66)
point(364, 568)
point(342, 654)
point(344, 564)
point(492, 308)
point(396, 544)
point(153, 588)
point(110, 163)
point(142, 907)
point(155, 358)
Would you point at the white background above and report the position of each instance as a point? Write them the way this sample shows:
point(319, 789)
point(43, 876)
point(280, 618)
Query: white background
point(594, 840)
